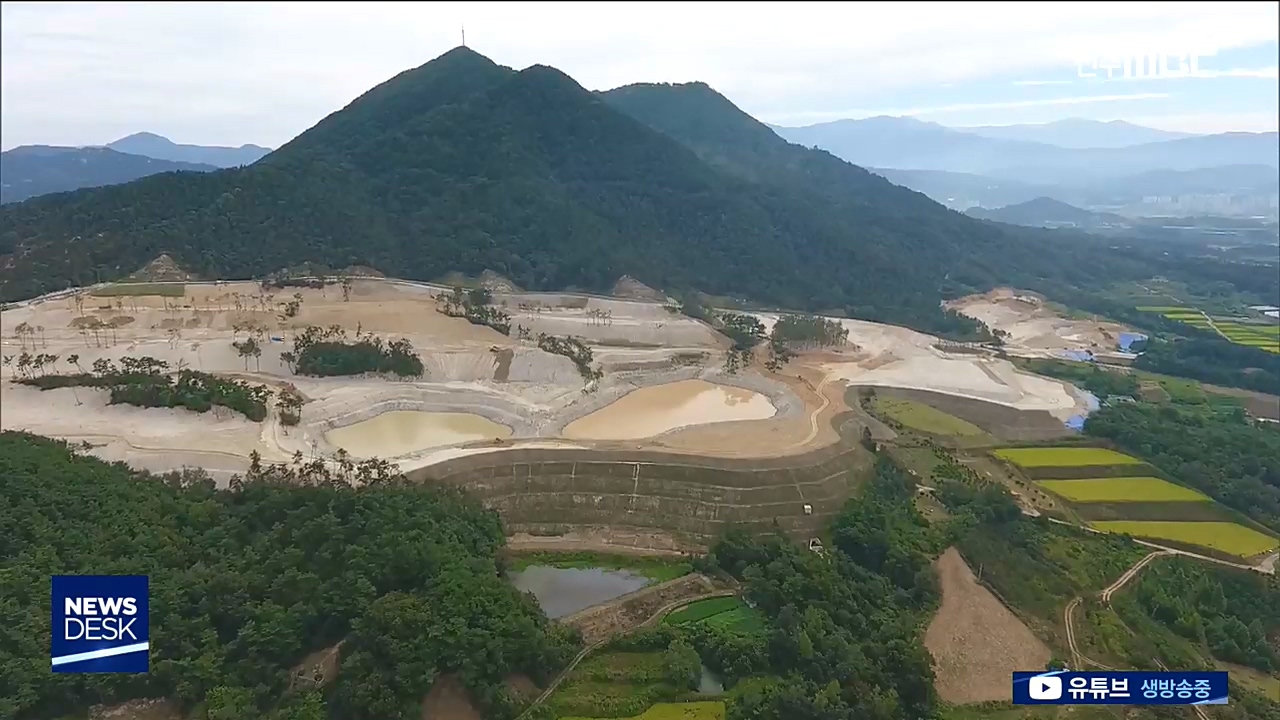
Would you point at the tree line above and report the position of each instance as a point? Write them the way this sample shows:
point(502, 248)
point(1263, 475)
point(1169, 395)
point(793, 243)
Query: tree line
point(246, 582)
point(146, 382)
point(1220, 452)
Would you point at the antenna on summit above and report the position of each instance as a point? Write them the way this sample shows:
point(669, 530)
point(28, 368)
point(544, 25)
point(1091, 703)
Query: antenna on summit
point(464, 36)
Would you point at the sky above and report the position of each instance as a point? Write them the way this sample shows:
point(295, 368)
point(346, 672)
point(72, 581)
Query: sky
point(263, 72)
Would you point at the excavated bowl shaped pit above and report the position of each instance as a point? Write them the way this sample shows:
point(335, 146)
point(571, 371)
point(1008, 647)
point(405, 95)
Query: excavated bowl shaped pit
point(654, 410)
point(400, 432)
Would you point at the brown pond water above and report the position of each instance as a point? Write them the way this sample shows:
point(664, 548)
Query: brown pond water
point(400, 432)
point(654, 410)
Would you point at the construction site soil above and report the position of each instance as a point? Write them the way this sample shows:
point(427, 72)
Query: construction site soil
point(697, 447)
point(976, 642)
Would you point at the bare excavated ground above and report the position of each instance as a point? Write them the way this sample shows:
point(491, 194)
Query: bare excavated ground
point(1033, 328)
point(449, 700)
point(155, 709)
point(976, 642)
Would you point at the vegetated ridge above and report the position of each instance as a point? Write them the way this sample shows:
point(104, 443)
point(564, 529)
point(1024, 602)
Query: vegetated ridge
point(464, 165)
point(33, 170)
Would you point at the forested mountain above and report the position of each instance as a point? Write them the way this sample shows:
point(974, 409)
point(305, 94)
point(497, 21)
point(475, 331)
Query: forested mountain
point(464, 165)
point(1047, 212)
point(162, 148)
point(32, 170)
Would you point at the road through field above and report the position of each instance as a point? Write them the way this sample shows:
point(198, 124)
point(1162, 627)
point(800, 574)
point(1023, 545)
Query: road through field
point(1078, 658)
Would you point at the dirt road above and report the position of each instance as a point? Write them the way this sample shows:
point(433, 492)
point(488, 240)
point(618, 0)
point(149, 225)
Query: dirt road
point(1078, 658)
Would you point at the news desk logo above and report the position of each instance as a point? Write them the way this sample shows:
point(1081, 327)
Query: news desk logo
point(100, 624)
point(1062, 687)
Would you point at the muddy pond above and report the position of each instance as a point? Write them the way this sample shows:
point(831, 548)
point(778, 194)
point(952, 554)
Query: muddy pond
point(400, 432)
point(564, 591)
point(654, 410)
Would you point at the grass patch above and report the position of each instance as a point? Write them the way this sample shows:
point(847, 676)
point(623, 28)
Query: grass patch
point(1064, 457)
point(141, 289)
point(919, 416)
point(1162, 309)
point(708, 710)
point(728, 613)
point(657, 569)
point(1226, 537)
point(1122, 489)
point(702, 610)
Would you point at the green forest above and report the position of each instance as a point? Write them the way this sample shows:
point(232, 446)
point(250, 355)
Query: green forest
point(145, 382)
point(462, 165)
point(327, 352)
point(1220, 452)
point(246, 582)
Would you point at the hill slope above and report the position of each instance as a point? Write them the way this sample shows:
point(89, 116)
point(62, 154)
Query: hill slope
point(162, 148)
point(33, 170)
point(1047, 212)
point(463, 165)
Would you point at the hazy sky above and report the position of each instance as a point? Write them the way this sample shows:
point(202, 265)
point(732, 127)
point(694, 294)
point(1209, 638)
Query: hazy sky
point(261, 72)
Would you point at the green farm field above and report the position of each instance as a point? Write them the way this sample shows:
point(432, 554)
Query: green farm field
point(141, 289)
point(1229, 538)
point(1122, 489)
point(1064, 457)
point(919, 416)
point(723, 612)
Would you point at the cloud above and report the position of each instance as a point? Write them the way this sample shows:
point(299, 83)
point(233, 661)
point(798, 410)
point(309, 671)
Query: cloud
point(969, 107)
point(1043, 82)
point(261, 72)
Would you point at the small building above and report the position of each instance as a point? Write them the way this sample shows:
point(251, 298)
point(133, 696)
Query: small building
point(808, 509)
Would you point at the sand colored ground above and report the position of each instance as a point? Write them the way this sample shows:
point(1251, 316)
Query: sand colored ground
point(1035, 330)
point(469, 369)
point(891, 356)
point(976, 642)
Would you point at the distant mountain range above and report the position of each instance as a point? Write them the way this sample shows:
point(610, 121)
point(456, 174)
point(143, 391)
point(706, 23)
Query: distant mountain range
point(162, 148)
point(32, 170)
point(1078, 133)
point(910, 144)
point(28, 171)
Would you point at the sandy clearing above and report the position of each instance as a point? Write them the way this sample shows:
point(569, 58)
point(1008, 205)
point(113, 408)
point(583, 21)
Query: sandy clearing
point(975, 641)
point(1034, 328)
point(470, 369)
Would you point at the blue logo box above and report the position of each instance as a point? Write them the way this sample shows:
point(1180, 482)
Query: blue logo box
point(1061, 687)
point(100, 624)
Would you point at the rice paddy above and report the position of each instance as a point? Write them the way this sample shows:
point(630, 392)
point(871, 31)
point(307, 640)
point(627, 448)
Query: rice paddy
point(1122, 489)
point(1235, 329)
point(1037, 457)
point(1225, 537)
